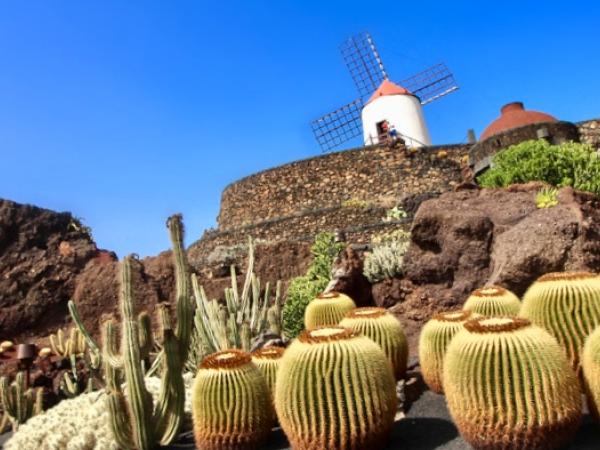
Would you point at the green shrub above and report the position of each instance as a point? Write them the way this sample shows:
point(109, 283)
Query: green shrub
point(396, 213)
point(355, 203)
point(304, 288)
point(569, 164)
point(387, 258)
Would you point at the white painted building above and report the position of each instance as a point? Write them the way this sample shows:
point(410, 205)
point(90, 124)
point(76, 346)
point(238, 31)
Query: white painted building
point(402, 111)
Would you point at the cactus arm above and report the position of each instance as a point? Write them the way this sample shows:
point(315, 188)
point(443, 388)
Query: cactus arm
point(38, 404)
point(145, 338)
point(109, 354)
point(3, 422)
point(91, 343)
point(169, 410)
point(139, 400)
point(185, 307)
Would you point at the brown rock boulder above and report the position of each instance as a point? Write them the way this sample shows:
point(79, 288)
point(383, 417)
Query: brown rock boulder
point(41, 254)
point(348, 278)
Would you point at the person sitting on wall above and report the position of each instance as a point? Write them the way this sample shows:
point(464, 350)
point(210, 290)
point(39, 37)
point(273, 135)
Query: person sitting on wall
point(394, 136)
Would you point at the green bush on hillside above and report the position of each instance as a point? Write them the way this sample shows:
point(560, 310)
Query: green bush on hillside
point(386, 260)
point(569, 164)
point(304, 288)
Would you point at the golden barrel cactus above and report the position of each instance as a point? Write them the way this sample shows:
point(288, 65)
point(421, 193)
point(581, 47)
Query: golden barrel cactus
point(590, 362)
point(492, 301)
point(267, 360)
point(385, 330)
point(509, 385)
point(567, 305)
point(327, 309)
point(230, 403)
point(433, 342)
point(336, 391)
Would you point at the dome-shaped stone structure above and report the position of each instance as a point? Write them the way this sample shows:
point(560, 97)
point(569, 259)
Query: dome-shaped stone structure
point(514, 115)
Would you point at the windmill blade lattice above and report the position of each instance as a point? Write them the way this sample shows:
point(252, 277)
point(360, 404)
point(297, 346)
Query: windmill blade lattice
point(431, 84)
point(363, 62)
point(339, 126)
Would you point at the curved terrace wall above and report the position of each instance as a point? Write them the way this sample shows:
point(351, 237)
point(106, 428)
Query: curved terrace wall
point(377, 175)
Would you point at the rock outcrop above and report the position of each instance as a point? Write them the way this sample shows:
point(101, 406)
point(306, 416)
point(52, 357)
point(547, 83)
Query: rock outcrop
point(466, 239)
point(41, 254)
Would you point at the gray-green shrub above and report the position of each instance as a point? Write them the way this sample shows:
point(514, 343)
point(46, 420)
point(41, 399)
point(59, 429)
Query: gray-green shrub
point(386, 260)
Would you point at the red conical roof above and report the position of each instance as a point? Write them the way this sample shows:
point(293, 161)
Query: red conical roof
point(514, 115)
point(389, 88)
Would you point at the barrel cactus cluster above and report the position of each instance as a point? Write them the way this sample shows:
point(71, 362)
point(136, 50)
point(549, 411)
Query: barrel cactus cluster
point(327, 309)
point(493, 301)
point(433, 342)
point(385, 330)
point(509, 385)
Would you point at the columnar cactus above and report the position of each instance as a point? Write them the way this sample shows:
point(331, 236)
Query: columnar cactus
point(230, 403)
point(135, 421)
point(335, 390)
point(509, 385)
point(590, 362)
point(327, 309)
point(18, 402)
point(267, 360)
point(493, 301)
point(433, 342)
point(385, 330)
point(567, 305)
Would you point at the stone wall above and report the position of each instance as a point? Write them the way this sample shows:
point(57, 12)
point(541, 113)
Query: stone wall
point(377, 175)
point(589, 132)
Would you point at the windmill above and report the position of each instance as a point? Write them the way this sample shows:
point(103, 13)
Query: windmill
point(381, 102)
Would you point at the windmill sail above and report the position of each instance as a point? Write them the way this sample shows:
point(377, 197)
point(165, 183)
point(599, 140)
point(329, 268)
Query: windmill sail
point(339, 126)
point(431, 84)
point(363, 62)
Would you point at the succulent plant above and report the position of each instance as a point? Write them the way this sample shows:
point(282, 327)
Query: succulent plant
point(385, 330)
point(335, 390)
point(18, 402)
point(66, 346)
point(493, 301)
point(433, 342)
point(267, 360)
point(590, 362)
point(230, 403)
point(567, 305)
point(509, 385)
point(6, 345)
point(137, 422)
point(327, 309)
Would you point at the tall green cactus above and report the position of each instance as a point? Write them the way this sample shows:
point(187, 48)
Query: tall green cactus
point(567, 305)
point(18, 402)
point(137, 423)
point(230, 403)
point(433, 342)
point(385, 330)
point(509, 385)
point(327, 309)
point(493, 301)
point(590, 362)
point(335, 390)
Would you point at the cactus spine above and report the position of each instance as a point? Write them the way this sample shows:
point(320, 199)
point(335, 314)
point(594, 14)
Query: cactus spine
point(230, 403)
point(493, 301)
point(327, 309)
point(567, 305)
point(335, 390)
point(135, 421)
point(590, 362)
point(267, 360)
point(18, 402)
point(509, 385)
point(433, 342)
point(385, 330)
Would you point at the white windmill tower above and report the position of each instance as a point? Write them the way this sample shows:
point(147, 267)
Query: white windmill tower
point(381, 101)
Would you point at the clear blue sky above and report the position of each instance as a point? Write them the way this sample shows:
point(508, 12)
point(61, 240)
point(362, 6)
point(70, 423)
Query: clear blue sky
point(125, 112)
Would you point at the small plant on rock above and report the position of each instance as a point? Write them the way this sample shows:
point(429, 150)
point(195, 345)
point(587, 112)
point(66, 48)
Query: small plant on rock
point(396, 213)
point(387, 257)
point(546, 198)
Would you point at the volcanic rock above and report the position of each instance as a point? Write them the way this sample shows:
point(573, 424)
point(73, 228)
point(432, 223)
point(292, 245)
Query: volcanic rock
point(348, 278)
